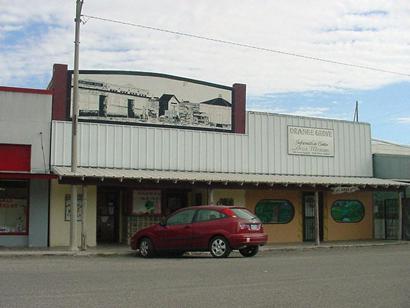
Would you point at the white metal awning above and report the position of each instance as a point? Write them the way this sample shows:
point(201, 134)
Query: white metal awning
point(213, 177)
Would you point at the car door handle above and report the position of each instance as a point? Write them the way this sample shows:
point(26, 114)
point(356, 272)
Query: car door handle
point(187, 227)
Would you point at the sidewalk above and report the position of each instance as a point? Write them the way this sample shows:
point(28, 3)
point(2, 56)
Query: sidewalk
point(123, 250)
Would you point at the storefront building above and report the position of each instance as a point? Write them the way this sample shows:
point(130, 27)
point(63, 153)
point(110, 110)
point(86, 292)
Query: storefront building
point(150, 144)
point(25, 123)
point(392, 208)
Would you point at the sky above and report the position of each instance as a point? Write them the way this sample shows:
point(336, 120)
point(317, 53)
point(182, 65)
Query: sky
point(371, 33)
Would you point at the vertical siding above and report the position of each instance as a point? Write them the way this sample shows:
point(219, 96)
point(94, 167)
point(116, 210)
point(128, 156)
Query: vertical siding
point(263, 149)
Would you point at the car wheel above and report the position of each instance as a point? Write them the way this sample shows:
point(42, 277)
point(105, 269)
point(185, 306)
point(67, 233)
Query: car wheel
point(249, 251)
point(219, 247)
point(146, 248)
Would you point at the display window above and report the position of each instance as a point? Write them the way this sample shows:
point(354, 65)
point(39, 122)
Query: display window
point(274, 211)
point(14, 196)
point(347, 211)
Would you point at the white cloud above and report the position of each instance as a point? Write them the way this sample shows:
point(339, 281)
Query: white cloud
point(403, 120)
point(372, 33)
point(311, 111)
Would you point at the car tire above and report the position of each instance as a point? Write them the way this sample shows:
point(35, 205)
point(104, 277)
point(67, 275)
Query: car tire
point(146, 248)
point(219, 247)
point(249, 251)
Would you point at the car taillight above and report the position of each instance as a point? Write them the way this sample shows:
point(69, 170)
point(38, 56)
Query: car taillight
point(229, 212)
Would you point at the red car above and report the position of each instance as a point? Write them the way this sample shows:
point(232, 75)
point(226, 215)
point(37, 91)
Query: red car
point(218, 229)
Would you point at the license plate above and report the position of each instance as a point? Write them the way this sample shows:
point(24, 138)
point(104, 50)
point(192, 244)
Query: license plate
point(255, 227)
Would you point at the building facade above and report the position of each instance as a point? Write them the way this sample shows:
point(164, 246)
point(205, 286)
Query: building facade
point(25, 126)
point(392, 218)
point(136, 169)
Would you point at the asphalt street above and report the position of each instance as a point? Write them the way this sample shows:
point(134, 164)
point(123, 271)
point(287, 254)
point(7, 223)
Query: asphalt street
point(353, 277)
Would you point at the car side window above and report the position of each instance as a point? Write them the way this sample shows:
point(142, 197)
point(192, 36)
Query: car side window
point(183, 217)
point(208, 215)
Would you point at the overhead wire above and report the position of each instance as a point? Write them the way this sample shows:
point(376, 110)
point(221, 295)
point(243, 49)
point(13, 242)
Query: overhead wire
point(232, 43)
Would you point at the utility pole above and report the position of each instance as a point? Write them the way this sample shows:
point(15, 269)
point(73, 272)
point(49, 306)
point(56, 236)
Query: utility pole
point(74, 129)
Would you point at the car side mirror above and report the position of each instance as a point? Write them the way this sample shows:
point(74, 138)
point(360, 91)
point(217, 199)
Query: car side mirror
point(163, 222)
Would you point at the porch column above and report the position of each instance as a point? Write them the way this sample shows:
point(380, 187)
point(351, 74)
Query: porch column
point(400, 231)
point(317, 221)
point(210, 196)
point(84, 220)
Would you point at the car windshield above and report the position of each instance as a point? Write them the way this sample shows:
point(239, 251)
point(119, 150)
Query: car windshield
point(245, 214)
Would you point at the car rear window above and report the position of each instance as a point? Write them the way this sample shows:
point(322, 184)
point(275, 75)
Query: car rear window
point(245, 214)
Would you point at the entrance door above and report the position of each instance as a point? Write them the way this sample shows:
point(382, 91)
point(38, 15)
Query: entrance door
point(391, 214)
point(108, 216)
point(309, 216)
point(406, 219)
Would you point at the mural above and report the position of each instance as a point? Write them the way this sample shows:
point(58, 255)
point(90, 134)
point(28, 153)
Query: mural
point(154, 99)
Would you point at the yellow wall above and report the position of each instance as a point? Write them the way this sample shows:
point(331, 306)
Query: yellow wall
point(59, 228)
point(279, 233)
point(362, 230)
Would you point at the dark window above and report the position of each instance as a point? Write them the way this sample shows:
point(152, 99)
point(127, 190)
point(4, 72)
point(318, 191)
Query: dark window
point(348, 211)
point(275, 211)
point(225, 201)
point(13, 207)
point(183, 217)
point(208, 215)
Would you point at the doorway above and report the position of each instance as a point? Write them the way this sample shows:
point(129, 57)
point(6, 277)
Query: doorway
point(108, 204)
point(174, 200)
point(406, 219)
point(308, 204)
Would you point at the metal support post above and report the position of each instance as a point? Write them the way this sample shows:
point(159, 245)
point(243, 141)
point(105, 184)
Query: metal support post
point(400, 231)
point(317, 220)
point(84, 220)
point(210, 196)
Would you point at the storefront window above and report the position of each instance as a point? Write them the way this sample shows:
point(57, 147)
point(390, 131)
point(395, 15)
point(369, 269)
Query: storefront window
point(347, 211)
point(274, 211)
point(13, 207)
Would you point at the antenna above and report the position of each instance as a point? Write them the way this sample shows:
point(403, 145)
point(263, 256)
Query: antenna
point(356, 113)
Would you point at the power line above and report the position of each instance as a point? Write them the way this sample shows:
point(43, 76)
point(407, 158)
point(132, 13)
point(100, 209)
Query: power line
point(248, 46)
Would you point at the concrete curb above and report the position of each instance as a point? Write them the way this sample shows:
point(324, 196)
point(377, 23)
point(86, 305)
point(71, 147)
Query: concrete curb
point(124, 252)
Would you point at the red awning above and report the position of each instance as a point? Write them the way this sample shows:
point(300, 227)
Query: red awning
point(26, 176)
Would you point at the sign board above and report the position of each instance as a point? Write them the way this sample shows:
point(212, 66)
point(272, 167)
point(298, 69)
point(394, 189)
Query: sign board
point(67, 209)
point(145, 202)
point(344, 189)
point(153, 99)
point(310, 141)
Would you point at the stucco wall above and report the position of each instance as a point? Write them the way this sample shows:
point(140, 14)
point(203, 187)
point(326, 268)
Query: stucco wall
point(59, 228)
point(279, 233)
point(362, 230)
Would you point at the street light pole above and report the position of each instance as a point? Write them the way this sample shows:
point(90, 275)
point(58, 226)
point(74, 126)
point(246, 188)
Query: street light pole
point(74, 129)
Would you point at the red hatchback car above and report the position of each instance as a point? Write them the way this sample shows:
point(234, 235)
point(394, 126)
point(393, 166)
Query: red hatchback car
point(218, 229)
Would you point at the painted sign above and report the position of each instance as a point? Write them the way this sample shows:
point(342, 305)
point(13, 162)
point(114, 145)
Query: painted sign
point(154, 99)
point(344, 189)
point(67, 209)
point(146, 202)
point(310, 141)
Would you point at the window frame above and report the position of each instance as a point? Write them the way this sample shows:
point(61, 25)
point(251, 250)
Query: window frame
point(347, 222)
point(27, 225)
point(276, 200)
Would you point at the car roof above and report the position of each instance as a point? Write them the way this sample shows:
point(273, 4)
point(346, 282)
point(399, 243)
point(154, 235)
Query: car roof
point(212, 207)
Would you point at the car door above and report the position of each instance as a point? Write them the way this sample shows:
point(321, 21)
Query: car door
point(176, 234)
point(206, 224)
